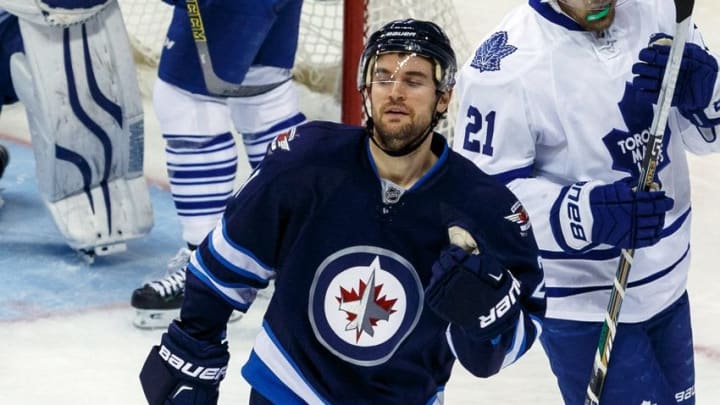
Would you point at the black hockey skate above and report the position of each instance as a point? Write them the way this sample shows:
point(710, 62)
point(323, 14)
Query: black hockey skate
point(158, 302)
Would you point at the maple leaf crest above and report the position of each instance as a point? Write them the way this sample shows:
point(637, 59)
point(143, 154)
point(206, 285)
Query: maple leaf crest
point(491, 52)
point(628, 147)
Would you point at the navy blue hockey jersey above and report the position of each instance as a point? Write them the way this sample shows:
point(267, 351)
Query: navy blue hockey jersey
point(350, 260)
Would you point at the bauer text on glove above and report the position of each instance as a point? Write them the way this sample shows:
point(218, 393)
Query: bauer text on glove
point(183, 370)
point(589, 214)
point(474, 292)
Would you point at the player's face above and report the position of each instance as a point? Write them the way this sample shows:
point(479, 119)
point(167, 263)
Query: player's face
point(592, 15)
point(403, 96)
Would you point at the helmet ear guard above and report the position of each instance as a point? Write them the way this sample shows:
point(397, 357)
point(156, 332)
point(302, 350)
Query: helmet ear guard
point(423, 38)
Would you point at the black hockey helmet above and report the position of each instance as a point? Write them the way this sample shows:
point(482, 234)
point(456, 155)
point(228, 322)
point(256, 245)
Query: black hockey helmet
point(423, 38)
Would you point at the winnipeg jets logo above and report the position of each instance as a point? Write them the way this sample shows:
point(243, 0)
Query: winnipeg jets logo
point(364, 302)
point(491, 52)
point(282, 141)
point(519, 216)
point(365, 307)
point(717, 106)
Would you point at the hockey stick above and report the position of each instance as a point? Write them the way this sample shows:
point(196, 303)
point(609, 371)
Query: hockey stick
point(216, 85)
point(683, 11)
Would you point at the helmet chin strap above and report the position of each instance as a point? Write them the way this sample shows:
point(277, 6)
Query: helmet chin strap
point(407, 149)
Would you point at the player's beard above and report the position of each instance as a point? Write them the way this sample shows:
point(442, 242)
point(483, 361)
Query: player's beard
point(393, 137)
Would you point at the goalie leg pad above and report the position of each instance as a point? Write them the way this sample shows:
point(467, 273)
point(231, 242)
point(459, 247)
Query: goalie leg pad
point(84, 109)
point(105, 216)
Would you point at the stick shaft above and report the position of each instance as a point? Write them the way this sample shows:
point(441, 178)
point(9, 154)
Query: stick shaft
point(647, 174)
point(215, 84)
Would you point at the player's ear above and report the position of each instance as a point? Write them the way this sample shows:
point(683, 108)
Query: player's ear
point(443, 102)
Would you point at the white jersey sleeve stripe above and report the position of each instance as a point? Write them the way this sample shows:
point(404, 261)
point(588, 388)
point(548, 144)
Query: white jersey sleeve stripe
point(236, 258)
point(239, 297)
point(518, 344)
point(278, 362)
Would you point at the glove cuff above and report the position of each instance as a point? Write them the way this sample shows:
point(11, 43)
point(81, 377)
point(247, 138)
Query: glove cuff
point(710, 116)
point(571, 217)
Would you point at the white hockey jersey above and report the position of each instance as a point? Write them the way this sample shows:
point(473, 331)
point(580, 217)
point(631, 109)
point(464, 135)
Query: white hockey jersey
point(545, 104)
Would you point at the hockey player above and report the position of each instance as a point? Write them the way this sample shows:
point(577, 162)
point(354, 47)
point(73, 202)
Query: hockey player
point(372, 302)
point(238, 73)
point(557, 102)
point(73, 71)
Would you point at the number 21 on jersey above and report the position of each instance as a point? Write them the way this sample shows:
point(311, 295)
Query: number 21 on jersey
point(477, 129)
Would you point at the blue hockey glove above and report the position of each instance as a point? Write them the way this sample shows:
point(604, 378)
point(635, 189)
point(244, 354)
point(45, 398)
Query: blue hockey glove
point(695, 84)
point(474, 292)
point(613, 214)
point(183, 370)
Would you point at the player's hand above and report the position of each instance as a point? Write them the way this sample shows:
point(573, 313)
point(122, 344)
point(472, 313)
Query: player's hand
point(626, 218)
point(696, 81)
point(474, 292)
point(613, 214)
point(183, 370)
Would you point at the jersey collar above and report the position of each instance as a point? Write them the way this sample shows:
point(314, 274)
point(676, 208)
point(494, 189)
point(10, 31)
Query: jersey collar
point(545, 9)
point(439, 146)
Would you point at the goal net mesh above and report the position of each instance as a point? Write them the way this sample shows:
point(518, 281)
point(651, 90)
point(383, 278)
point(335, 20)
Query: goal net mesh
point(318, 61)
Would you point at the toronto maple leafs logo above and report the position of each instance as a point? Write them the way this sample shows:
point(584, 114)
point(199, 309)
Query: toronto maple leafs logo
point(627, 147)
point(491, 52)
point(364, 302)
